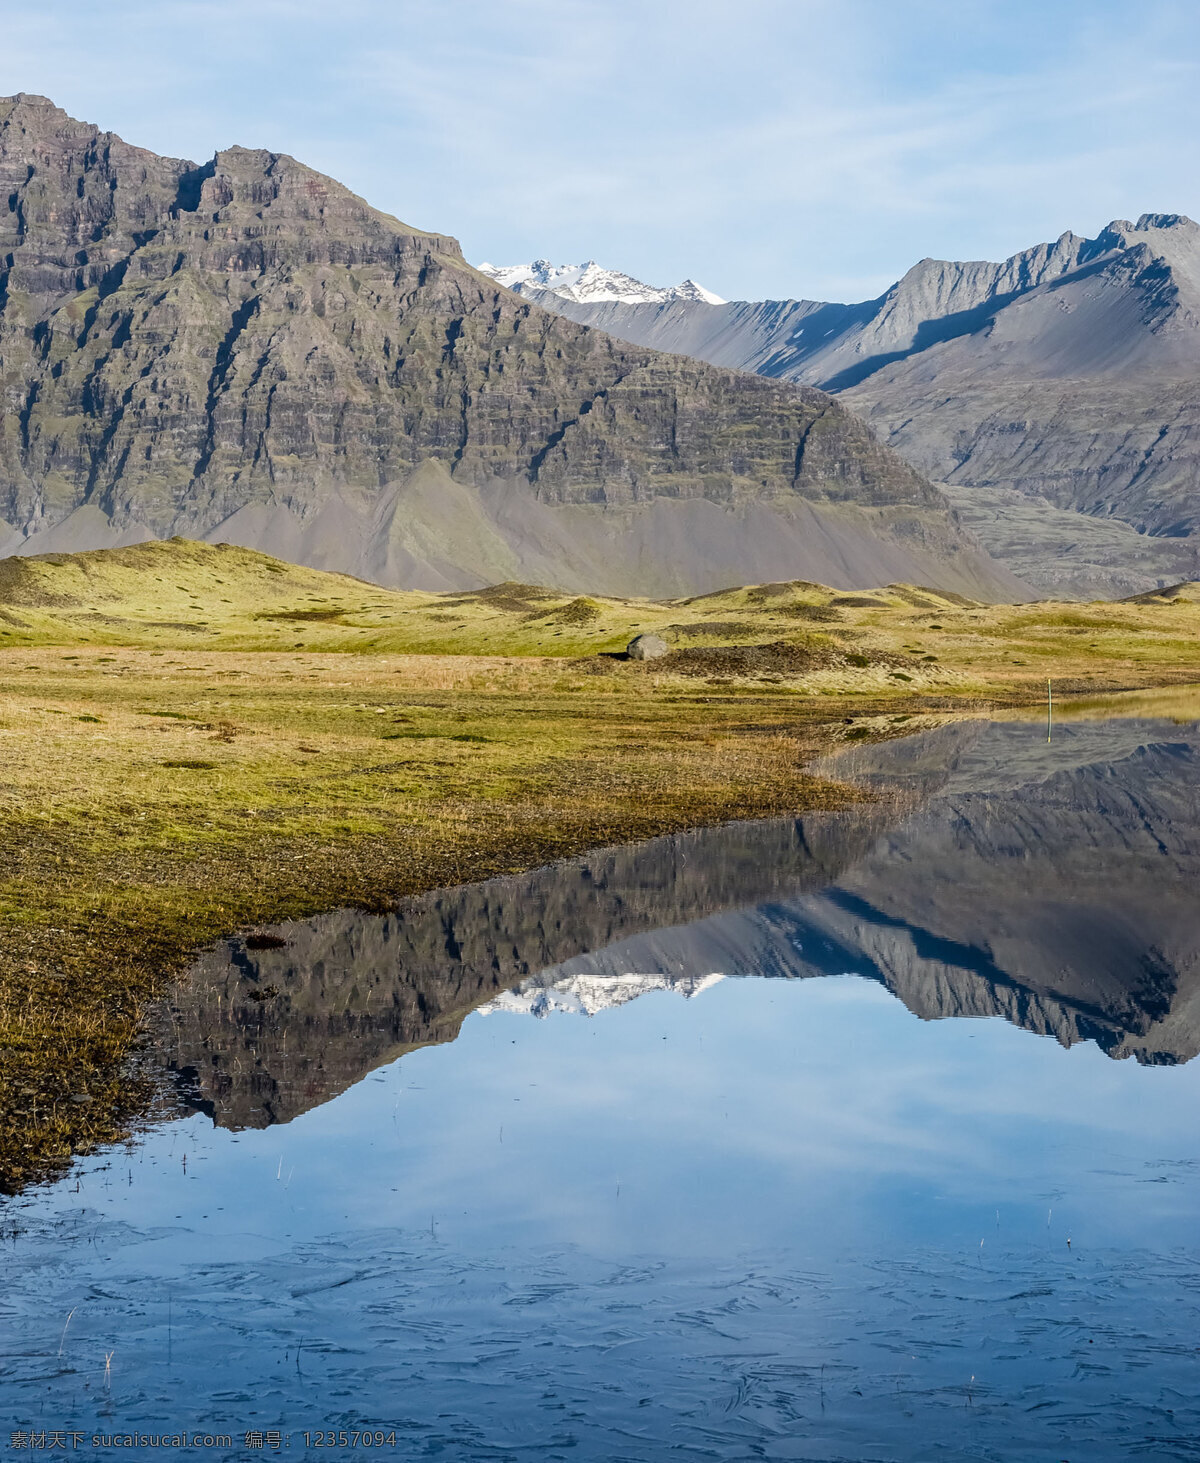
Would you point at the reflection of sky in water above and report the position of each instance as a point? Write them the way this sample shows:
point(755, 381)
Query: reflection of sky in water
point(819, 1177)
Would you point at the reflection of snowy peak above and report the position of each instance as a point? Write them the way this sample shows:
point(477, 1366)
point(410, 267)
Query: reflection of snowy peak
point(586, 284)
point(588, 994)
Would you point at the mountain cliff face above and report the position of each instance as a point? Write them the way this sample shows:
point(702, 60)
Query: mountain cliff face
point(1065, 374)
point(246, 351)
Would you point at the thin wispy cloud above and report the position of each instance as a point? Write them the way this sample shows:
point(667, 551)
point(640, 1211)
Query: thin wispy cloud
point(767, 147)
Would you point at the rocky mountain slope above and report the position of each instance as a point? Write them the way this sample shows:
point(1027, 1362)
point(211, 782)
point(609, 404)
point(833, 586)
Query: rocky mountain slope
point(246, 351)
point(996, 875)
point(1065, 374)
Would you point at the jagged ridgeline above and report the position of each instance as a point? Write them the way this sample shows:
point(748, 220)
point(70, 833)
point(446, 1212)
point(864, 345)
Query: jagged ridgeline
point(1053, 395)
point(246, 351)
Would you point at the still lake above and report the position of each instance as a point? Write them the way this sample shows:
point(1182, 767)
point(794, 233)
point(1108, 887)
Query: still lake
point(859, 1136)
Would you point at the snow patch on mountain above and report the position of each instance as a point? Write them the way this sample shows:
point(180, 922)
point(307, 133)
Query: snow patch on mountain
point(589, 284)
point(586, 995)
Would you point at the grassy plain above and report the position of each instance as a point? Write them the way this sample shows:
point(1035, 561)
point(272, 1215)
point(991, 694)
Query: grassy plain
point(197, 739)
point(183, 597)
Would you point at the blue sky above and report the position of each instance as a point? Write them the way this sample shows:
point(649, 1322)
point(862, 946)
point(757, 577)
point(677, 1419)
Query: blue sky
point(766, 147)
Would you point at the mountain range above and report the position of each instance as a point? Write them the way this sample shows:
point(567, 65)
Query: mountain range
point(244, 351)
point(1053, 395)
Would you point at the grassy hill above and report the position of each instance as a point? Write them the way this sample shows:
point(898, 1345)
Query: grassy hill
point(188, 595)
point(195, 597)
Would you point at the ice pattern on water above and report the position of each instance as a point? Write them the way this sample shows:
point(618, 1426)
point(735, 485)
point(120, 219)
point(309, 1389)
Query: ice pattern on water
point(554, 1354)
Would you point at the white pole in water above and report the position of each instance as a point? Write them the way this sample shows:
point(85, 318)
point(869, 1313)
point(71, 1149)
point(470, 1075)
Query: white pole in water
point(1049, 711)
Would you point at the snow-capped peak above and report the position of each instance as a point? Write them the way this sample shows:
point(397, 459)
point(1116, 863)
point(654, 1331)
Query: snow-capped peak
point(589, 284)
point(590, 994)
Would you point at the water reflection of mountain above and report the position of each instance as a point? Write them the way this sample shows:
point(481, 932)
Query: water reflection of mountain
point(260, 1035)
point(1052, 885)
